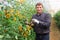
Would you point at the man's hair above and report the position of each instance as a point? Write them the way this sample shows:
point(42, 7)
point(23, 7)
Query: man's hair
point(38, 4)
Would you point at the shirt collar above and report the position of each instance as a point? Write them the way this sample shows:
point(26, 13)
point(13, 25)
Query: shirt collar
point(39, 14)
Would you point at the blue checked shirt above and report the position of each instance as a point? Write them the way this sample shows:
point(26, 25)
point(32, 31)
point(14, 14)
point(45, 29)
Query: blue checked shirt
point(44, 23)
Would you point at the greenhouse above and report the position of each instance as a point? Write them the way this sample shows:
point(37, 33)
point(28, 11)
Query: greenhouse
point(14, 14)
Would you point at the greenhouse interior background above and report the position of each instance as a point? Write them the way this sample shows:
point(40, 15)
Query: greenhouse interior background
point(50, 5)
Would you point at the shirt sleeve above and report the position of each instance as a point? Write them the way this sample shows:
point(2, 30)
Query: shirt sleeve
point(33, 22)
point(47, 21)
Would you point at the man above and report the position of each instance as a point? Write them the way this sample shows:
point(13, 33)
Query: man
point(41, 23)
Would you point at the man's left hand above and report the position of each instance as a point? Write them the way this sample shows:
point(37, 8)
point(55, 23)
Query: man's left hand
point(35, 20)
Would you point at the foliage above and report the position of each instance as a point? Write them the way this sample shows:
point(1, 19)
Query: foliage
point(12, 21)
point(57, 19)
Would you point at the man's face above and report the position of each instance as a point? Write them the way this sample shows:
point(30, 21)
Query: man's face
point(39, 8)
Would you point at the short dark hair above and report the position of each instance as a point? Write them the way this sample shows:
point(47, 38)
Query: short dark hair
point(39, 4)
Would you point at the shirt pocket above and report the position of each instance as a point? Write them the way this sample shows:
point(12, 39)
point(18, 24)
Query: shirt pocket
point(42, 18)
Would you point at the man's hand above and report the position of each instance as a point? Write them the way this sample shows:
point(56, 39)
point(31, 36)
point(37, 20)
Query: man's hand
point(35, 20)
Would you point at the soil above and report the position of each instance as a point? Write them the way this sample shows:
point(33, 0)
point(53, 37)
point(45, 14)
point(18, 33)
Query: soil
point(54, 32)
